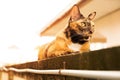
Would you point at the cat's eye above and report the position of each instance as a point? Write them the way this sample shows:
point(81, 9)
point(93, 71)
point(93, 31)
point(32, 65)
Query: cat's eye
point(83, 24)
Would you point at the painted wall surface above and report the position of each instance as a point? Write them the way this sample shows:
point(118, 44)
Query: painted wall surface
point(109, 26)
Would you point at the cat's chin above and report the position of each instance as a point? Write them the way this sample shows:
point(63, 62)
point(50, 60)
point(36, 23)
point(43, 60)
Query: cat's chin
point(82, 42)
point(79, 41)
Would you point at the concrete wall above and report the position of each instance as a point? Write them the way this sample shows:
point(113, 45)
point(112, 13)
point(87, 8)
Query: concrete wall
point(5, 76)
point(105, 59)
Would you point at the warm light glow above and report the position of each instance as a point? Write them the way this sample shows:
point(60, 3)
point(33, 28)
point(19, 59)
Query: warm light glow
point(20, 24)
point(97, 46)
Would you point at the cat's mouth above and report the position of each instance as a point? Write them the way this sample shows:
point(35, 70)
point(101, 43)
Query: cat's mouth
point(80, 39)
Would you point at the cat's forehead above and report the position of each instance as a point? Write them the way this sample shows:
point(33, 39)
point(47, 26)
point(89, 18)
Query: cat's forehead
point(84, 20)
point(80, 21)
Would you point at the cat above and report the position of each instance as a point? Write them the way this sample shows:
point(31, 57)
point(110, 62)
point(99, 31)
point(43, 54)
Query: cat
point(74, 37)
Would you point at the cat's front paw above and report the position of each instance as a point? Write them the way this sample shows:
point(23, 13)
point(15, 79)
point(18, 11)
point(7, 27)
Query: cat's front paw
point(60, 53)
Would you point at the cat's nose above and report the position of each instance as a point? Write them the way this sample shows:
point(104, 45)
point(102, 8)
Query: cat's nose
point(91, 32)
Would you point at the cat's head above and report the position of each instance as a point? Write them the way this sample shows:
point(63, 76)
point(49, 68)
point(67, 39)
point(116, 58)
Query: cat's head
point(80, 28)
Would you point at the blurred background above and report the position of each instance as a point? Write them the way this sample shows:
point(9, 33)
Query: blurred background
point(27, 24)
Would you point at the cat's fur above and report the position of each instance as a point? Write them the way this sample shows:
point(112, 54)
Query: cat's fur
point(75, 37)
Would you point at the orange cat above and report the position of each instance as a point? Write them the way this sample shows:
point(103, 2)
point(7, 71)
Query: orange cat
point(75, 37)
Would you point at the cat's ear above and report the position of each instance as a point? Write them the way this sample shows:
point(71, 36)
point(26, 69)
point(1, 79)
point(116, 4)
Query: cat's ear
point(75, 13)
point(91, 16)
